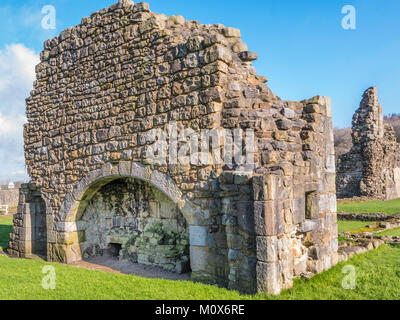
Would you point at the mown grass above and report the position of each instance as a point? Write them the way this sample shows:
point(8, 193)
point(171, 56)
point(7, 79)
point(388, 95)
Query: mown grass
point(347, 226)
point(393, 233)
point(388, 207)
point(22, 279)
point(378, 277)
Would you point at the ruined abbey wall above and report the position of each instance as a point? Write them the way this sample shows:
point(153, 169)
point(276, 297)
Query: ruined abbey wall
point(371, 168)
point(102, 87)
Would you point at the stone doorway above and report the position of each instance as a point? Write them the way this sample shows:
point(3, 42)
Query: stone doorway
point(38, 228)
point(130, 225)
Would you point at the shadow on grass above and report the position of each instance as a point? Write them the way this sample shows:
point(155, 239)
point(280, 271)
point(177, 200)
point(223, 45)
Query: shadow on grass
point(5, 231)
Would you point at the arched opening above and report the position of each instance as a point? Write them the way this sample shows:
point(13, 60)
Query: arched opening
point(128, 224)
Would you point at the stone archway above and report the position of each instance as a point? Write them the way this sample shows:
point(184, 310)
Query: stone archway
point(75, 203)
point(128, 222)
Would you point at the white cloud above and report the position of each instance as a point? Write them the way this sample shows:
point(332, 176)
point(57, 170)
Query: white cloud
point(17, 73)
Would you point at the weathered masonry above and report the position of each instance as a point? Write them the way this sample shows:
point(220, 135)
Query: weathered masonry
point(103, 85)
point(372, 167)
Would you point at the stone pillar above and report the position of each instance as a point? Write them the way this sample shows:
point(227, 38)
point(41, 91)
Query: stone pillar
point(198, 252)
point(268, 219)
point(63, 242)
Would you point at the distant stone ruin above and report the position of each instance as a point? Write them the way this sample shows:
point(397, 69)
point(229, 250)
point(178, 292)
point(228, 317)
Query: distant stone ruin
point(372, 167)
point(102, 87)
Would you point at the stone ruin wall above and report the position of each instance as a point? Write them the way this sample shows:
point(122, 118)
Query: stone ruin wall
point(371, 168)
point(102, 85)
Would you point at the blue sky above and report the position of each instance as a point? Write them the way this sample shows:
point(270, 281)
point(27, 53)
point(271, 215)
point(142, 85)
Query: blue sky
point(303, 49)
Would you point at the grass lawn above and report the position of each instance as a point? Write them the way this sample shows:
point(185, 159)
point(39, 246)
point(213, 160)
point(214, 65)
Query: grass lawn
point(393, 233)
point(346, 226)
point(378, 277)
point(388, 207)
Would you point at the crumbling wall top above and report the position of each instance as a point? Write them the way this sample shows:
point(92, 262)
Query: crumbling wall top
point(368, 119)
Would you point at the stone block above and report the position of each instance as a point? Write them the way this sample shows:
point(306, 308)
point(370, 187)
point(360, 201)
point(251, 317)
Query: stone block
point(166, 185)
point(198, 236)
point(288, 113)
point(24, 247)
point(65, 253)
point(125, 168)
point(198, 259)
point(234, 241)
point(260, 188)
point(245, 216)
point(267, 187)
point(235, 255)
point(248, 56)
point(188, 210)
point(268, 278)
point(309, 225)
point(27, 220)
point(65, 226)
point(67, 238)
point(299, 210)
point(324, 203)
point(25, 234)
point(242, 178)
point(268, 217)
point(139, 171)
point(283, 124)
point(141, 7)
point(267, 249)
point(332, 203)
point(330, 164)
point(231, 32)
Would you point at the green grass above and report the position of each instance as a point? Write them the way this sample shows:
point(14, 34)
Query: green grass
point(378, 274)
point(378, 277)
point(347, 226)
point(388, 207)
point(5, 230)
point(21, 279)
point(393, 233)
